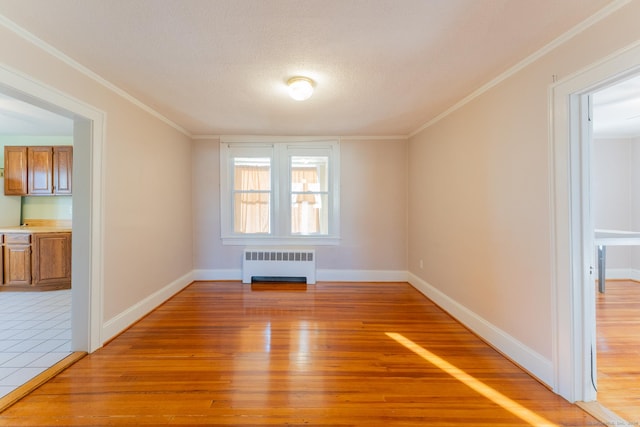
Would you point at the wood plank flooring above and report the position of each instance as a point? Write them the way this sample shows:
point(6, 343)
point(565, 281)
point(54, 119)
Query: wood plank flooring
point(618, 333)
point(330, 354)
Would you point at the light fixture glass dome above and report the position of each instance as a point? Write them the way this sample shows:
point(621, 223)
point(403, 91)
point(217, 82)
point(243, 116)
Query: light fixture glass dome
point(300, 88)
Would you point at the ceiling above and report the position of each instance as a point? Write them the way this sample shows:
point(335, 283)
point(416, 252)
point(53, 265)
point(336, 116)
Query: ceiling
point(616, 110)
point(217, 67)
point(21, 118)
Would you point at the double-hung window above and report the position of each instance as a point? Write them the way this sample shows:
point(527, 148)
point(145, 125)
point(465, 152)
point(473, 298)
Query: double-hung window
point(278, 190)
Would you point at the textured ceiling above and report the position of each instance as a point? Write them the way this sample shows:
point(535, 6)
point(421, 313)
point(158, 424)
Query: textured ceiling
point(381, 67)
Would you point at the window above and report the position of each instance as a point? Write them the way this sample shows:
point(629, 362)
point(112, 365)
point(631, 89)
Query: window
point(279, 191)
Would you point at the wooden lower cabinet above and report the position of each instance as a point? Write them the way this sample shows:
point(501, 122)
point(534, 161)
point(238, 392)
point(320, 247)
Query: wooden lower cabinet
point(51, 258)
point(36, 261)
point(17, 259)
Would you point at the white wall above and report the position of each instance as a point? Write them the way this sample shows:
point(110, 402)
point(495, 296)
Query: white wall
point(479, 199)
point(616, 198)
point(611, 193)
point(147, 183)
point(373, 214)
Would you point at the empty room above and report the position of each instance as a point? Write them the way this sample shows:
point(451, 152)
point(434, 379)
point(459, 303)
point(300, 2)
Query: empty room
point(320, 212)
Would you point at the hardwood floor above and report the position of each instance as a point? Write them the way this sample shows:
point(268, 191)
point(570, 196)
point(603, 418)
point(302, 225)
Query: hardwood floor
point(331, 354)
point(618, 333)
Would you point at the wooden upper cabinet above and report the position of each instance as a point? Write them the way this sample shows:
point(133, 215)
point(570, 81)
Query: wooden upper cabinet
point(40, 167)
point(62, 169)
point(38, 170)
point(15, 171)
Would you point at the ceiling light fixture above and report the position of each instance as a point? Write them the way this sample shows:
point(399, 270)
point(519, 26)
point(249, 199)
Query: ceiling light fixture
point(300, 88)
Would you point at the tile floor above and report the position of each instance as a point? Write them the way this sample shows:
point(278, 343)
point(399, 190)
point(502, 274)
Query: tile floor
point(35, 333)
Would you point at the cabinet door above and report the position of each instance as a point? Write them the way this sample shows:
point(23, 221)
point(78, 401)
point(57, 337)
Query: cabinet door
point(62, 169)
point(17, 259)
point(15, 171)
point(40, 166)
point(51, 258)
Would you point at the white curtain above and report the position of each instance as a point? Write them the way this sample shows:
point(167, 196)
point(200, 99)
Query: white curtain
point(252, 198)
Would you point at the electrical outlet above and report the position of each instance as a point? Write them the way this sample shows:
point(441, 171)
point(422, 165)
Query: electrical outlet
point(421, 264)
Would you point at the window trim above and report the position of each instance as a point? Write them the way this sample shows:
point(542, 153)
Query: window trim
point(282, 148)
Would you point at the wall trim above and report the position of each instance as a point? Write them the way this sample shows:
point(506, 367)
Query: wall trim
point(525, 357)
point(342, 137)
point(38, 42)
point(623, 274)
point(603, 13)
point(528, 359)
point(362, 275)
point(215, 274)
point(321, 275)
point(128, 317)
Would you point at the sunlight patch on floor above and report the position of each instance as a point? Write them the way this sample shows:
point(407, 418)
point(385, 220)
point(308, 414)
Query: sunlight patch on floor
point(478, 386)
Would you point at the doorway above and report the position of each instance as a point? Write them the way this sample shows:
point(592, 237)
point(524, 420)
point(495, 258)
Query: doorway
point(36, 326)
point(573, 240)
point(88, 129)
point(615, 195)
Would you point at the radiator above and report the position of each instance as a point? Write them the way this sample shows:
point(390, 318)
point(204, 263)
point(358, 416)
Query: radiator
point(279, 263)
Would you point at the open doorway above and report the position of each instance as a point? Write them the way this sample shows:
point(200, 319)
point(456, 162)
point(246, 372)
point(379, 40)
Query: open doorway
point(615, 206)
point(35, 325)
point(575, 353)
point(87, 204)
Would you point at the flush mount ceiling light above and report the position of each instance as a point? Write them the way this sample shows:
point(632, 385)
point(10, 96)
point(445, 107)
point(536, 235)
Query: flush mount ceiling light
point(300, 88)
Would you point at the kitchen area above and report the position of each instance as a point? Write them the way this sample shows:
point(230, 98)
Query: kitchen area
point(36, 241)
point(36, 170)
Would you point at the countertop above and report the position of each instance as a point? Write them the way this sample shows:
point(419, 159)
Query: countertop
point(34, 229)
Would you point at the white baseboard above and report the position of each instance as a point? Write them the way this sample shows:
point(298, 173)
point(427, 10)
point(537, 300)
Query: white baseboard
point(528, 359)
point(321, 275)
point(361, 275)
point(623, 273)
point(128, 317)
point(122, 321)
point(235, 274)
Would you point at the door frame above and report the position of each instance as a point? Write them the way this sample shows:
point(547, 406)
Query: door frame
point(87, 228)
point(573, 293)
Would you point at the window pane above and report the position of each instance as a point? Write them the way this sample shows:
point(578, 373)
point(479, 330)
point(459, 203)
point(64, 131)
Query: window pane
point(251, 212)
point(251, 194)
point(252, 174)
point(309, 214)
point(309, 173)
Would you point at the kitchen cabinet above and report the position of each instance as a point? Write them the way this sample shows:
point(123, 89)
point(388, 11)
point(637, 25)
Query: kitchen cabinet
point(38, 170)
point(15, 171)
point(17, 260)
point(36, 261)
point(62, 169)
point(51, 259)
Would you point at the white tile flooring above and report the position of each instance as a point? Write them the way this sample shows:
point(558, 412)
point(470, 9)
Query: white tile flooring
point(35, 333)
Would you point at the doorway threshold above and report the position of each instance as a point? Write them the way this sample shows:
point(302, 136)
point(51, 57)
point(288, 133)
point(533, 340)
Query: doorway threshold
point(604, 414)
point(20, 392)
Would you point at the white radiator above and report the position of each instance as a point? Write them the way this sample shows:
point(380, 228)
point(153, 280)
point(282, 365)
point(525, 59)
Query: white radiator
point(279, 263)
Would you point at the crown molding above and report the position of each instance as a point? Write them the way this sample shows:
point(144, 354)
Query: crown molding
point(593, 19)
point(342, 138)
point(36, 41)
